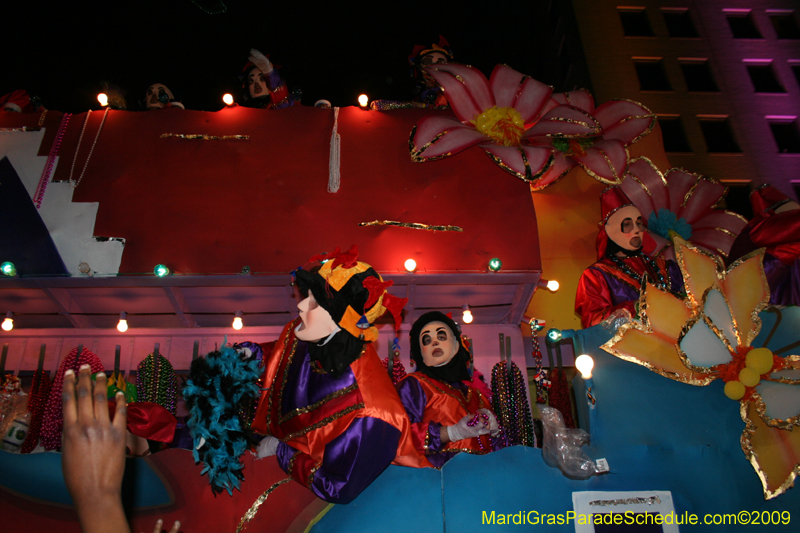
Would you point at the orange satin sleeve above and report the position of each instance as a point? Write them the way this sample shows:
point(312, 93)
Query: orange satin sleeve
point(382, 402)
point(593, 302)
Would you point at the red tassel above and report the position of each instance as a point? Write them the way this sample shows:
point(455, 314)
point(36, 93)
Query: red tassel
point(395, 306)
point(375, 287)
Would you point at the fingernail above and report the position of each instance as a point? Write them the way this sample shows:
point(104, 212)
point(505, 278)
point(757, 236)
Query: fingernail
point(101, 374)
point(84, 367)
point(69, 372)
point(120, 393)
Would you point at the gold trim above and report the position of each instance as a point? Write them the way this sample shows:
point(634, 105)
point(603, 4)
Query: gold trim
point(649, 114)
point(416, 154)
point(206, 137)
point(324, 421)
point(746, 441)
point(608, 161)
point(411, 225)
point(285, 374)
point(535, 187)
point(654, 167)
point(326, 399)
point(457, 394)
point(311, 474)
point(251, 513)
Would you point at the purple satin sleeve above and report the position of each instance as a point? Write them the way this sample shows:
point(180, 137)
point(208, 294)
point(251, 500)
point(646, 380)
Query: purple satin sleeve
point(783, 280)
point(413, 399)
point(274, 80)
point(621, 291)
point(284, 455)
point(675, 277)
point(305, 387)
point(352, 460)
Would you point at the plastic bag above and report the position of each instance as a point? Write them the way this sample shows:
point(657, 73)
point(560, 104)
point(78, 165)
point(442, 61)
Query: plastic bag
point(562, 446)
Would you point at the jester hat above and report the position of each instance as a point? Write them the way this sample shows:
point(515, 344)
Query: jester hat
point(351, 292)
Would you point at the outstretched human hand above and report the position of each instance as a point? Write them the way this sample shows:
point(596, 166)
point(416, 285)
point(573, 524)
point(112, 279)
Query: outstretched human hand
point(175, 527)
point(93, 452)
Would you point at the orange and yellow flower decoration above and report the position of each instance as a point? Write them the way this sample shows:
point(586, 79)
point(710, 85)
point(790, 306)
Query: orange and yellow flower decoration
point(709, 336)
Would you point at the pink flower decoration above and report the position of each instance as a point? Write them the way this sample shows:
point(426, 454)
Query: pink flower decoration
point(683, 203)
point(498, 115)
point(604, 157)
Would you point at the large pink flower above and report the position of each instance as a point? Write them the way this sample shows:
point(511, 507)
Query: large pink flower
point(683, 203)
point(604, 157)
point(498, 115)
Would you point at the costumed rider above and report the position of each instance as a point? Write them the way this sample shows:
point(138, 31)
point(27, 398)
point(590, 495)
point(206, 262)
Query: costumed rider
point(20, 101)
point(262, 85)
point(448, 412)
point(158, 96)
point(330, 412)
point(610, 288)
point(776, 227)
point(427, 94)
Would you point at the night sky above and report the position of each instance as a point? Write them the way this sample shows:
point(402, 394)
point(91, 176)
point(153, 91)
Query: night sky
point(65, 52)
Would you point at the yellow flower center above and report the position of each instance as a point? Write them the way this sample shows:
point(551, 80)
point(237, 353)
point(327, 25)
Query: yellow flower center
point(504, 125)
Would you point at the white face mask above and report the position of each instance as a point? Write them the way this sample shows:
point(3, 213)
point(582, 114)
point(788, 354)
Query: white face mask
point(626, 228)
point(437, 344)
point(256, 84)
point(152, 98)
point(317, 322)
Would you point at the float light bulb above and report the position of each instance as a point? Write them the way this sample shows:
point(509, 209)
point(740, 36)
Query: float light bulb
point(410, 265)
point(8, 323)
point(554, 335)
point(227, 98)
point(466, 316)
point(495, 264)
point(103, 99)
point(237, 321)
point(584, 363)
point(122, 325)
point(363, 100)
point(8, 269)
point(553, 285)
point(161, 271)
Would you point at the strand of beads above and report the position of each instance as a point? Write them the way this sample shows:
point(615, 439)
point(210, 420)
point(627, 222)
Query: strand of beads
point(510, 404)
point(53, 421)
point(660, 280)
point(156, 382)
point(51, 158)
point(36, 402)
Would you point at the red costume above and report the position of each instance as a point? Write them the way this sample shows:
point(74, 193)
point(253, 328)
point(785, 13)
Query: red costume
point(432, 404)
point(337, 433)
point(614, 281)
point(604, 288)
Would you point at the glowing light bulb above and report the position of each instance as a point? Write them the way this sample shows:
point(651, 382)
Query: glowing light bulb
point(237, 321)
point(122, 325)
point(410, 265)
point(103, 99)
point(363, 100)
point(554, 335)
point(227, 98)
point(8, 323)
point(466, 316)
point(161, 271)
point(495, 264)
point(553, 285)
point(8, 269)
point(584, 363)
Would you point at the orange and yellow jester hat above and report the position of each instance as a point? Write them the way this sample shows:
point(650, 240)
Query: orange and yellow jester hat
point(352, 292)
